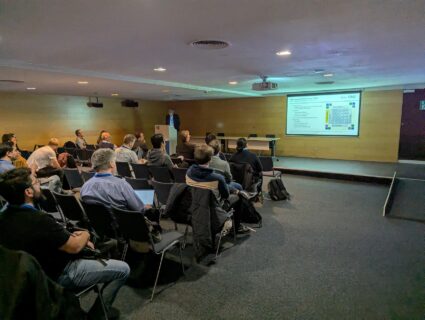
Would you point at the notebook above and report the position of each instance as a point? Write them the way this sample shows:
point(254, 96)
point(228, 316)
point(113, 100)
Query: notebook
point(146, 196)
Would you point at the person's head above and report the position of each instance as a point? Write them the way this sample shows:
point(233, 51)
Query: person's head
point(140, 136)
point(103, 160)
point(129, 140)
point(185, 136)
point(215, 144)
point(18, 186)
point(79, 133)
point(157, 141)
point(170, 111)
point(105, 136)
point(7, 152)
point(203, 154)
point(53, 143)
point(9, 137)
point(241, 144)
point(209, 137)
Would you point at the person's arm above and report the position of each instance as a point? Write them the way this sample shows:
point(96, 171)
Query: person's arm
point(228, 172)
point(257, 165)
point(134, 157)
point(168, 162)
point(76, 242)
point(223, 187)
point(133, 201)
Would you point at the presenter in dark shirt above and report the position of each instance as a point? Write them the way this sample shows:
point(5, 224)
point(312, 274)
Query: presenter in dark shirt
point(173, 119)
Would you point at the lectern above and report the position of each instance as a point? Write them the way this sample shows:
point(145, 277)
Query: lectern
point(170, 137)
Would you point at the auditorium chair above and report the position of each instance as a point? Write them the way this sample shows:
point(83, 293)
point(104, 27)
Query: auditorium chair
point(179, 175)
point(268, 169)
point(162, 192)
point(141, 171)
point(73, 178)
point(101, 220)
point(87, 175)
point(139, 184)
point(71, 209)
point(252, 135)
point(123, 169)
point(160, 174)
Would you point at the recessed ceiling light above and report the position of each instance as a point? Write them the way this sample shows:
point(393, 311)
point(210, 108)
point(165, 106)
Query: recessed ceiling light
point(284, 53)
point(82, 82)
point(114, 94)
point(160, 69)
point(165, 90)
point(328, 75)
point(31, 88)
point(232, 83)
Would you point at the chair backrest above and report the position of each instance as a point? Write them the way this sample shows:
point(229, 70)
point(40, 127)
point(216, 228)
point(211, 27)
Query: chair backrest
point(87, 175)
point(84, 154)
point(70, 145)
point(162, 191)
point(271, 143)
point(70, 206)
point(36, 146)
point(49, 203)
point(123, 169)
point(267, 163)
point(220, 134)
point(90, 147)
point(26, 154)
point(252, 135)
point(242, 173)
point(132, 225)
point(141, 171)
point(101, 219)
point(160, 174)
point(71, 151)
point(139, 184)
point(228, 156)
point(179, 175)
point(60, 150)
point(73, 178)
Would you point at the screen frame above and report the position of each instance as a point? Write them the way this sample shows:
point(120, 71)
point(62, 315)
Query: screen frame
point(319, 94)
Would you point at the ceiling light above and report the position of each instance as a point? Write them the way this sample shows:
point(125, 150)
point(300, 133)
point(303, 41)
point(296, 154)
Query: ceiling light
point(114, 94)
point(31, 88)
point(165, 90)
point(160, 69)
point(82, 82)
point(232, 83)
point(328, 75)
point(284, 53)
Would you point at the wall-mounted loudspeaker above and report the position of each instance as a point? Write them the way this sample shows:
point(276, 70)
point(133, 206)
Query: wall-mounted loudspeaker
point(129, 103)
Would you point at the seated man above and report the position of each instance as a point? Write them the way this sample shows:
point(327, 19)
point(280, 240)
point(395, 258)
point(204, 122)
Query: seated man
point(243, 155)
point(223, 166)
point(200, 175)
point(125, 152)
point(140, 146)
point(210, 137)
point(23, 227)
point(80, 141)
point(7, 155)
point(43, 161)
point(157, 155)
point(185, 148)
point(105, 141)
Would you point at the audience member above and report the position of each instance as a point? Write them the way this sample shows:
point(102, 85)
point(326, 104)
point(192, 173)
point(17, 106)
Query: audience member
point(99, 138)
point(185, 148)
point(140, 146)
point(200, 175)
point(80, 141)
point(157, 155)
point(7, 155)
point(20, 161)
point(23, 227)
point(124, 153)
point(108, 190)
point(105, 141)
point(43, 162)
point(222, 166)
point(210, 137)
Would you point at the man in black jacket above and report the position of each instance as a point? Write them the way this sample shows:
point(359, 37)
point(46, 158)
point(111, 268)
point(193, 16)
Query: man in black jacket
point(173, 119)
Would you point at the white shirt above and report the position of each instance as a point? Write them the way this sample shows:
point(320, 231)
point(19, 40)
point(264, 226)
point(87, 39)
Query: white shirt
point(41, 158)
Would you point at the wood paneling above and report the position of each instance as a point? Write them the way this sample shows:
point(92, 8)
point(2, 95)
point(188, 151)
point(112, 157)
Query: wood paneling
point(379, 125)
point(36, 118)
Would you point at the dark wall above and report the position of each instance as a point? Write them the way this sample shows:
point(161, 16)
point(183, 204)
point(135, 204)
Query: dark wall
point(412, 133)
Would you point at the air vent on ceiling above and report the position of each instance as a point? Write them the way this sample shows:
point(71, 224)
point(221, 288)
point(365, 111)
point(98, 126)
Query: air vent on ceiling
point(11, 81)
point(325, 82)
point(210, 44)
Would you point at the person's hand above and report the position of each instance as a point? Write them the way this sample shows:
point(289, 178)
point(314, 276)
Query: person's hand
point(90, 245)
point(181, 158)
point(148, 206)
point(143, 161)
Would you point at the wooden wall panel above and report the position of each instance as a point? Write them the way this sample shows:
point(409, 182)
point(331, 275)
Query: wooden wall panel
point(379, 125)
point(36, 118)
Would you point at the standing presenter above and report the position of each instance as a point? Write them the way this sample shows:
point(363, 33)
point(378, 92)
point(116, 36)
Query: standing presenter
point(173, 119)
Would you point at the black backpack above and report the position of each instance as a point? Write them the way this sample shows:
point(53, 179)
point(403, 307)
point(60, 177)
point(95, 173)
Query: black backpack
point(277, 190)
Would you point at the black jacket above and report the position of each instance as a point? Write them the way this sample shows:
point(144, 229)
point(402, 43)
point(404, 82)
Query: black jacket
point(176, 120)
point(245, 156)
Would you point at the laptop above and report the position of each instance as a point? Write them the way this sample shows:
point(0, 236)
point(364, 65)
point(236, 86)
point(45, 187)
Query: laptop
point(146, 196)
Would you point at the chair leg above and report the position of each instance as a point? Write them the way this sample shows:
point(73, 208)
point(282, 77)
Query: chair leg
point(186, 231)
point(181, 257)
point(157, 275)
point(218, 244)
point(124, 252)
point(102, 302)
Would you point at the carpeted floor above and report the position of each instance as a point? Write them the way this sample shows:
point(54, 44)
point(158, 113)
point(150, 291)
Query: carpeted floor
point(326, 254)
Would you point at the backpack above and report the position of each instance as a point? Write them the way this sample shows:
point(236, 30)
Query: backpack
point(277, 190)
point(249, 213)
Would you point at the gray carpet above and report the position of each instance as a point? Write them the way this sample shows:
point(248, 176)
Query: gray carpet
point(326, 254)
point(409, 200)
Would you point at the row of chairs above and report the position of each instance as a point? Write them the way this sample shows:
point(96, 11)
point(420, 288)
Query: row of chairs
point(111, 223)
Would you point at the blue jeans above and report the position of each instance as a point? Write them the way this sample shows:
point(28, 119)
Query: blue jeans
point(235, 186)
point(82, 273)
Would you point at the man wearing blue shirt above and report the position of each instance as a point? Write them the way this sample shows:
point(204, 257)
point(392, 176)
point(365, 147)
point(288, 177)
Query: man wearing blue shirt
point(7, 155)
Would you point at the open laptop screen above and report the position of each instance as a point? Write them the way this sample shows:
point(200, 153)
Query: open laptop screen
point(146, 196)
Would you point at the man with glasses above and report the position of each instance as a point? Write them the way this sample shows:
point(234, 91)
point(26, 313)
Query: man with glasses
point(23, 227)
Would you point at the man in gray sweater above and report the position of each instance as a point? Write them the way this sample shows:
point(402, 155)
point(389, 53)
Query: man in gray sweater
point(157, 155)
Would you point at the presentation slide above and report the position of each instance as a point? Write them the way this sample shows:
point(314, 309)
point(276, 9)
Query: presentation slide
point(332, 114)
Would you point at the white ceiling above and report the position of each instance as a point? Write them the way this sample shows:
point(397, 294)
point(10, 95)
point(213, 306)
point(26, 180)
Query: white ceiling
point(114, 45)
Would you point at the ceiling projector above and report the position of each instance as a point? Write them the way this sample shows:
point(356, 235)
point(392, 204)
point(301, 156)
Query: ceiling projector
point(264, 85)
